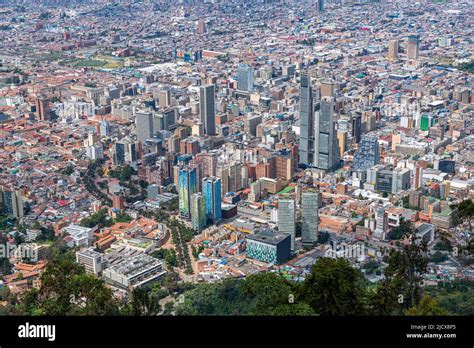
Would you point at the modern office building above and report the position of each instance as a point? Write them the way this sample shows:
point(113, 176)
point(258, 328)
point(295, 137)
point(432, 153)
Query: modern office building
point(95, 151)
point(198, 212)
point(251, 123)
point(245, 78)
point(131, 154)
point(401, 180)
point(134, 271)
point(268, 246)
point(357, 127)
point(125, 151)
point(202, 28)
point(211, 189)
point(187, 183)
point(367, 155)
point(118, 202)
point(306, 121)
point(326, 147)
point(104, 128)
point(42, 108)
point(164, 98)
point(383, 180)
point(287, 218)
point(119, 153)
point(223, 172)
point(207, 108)
point(342, 142)
point(92, 260)
point(309, 217)
point(164, 119)
point(413, 46)
point(11, 202)
point(426, 121)
point(447, 166)
point(144, 125)
point(79, 236)
point(393, 49)
point(319, 6)
point(380, 223)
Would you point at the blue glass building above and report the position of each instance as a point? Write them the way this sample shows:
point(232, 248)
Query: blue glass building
point(269, 246)
point(245, 78)
point(187, 182)
point(198, 212)
point(367, 155)
point(211, 188)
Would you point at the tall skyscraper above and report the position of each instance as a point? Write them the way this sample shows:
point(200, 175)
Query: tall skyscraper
point(211, 189)
point(287, 218)
point(164, 98)
point(187, 182)
point(207, 108)
point(12, 203)
point(42, 108)
point(245, 78)
point(119, 153)
point(131, 152)
point(413, 46)
point(393, 49)
point(198, 212)
point(418, 177)
point(326, 146)
point(144, 124)
point(319, 6)
point(368, 153)
point(222, 171)
point(356, 127)
point(401, 180)
point(306, 121)
point(104, 128)
point(118, 202)
point(202, 28)
point(235, 175)
point(342, 139)
point(309, 217)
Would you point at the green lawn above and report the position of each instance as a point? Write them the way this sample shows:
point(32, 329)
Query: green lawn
point(287, 189)
point(90, 63)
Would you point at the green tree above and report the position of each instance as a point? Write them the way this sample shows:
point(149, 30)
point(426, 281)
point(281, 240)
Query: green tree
point(465, 212)
point(334, 287)
point(456, 297)
point(400, 231)
point(427, 306)
point(144, 302)
point(68, 170)
point(66, 290)
point(401, 288)
point(168, 309)
point(5, 266)
point(258, 294)
point(269, 292)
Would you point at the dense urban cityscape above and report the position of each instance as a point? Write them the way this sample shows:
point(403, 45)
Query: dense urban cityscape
point(236, 157)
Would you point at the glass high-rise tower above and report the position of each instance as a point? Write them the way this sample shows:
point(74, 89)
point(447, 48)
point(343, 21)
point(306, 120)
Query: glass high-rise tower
point(367, 155)
point(306, 121)
point(207, 109)
point(287, 218)
point(211, 189)
point(245, 78)
point(187, 182)
point(309, 217)
point(326, 146)
point(198, 212)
